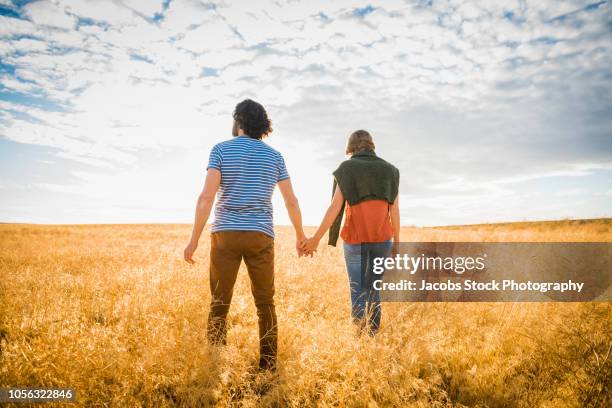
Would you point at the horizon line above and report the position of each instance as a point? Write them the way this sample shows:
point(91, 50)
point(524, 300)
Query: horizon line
point(604, 218)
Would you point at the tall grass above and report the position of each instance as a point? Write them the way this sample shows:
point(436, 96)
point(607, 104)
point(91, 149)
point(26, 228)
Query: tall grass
point(113, 312)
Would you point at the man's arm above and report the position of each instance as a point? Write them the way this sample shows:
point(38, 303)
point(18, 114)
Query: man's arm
point(203, 208)
point(293, 209)
point(330, 215)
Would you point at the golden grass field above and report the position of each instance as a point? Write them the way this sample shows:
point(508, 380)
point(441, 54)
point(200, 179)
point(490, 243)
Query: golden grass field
point(114, 312)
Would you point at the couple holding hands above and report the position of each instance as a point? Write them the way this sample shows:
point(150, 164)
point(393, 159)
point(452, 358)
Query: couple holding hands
point(242, 173)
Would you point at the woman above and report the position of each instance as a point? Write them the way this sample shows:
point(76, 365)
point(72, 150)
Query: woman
point(367, 186)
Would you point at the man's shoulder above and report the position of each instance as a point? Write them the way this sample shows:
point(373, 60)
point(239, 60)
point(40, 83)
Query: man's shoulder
point(228, 145)
point(260, 146)
point(224, 143)
point(269, 150)
point(273, 150)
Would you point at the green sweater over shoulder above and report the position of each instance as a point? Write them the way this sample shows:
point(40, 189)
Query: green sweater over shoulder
point(363, 177)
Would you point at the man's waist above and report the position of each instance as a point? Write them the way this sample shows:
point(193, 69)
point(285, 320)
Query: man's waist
point(247, 210)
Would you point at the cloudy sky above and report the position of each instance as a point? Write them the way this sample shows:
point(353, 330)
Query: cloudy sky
point(492, 110)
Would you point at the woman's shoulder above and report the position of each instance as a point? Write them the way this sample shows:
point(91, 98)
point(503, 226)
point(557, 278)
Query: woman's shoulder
point(355, 165)
point(343, 167)
point(390, 165)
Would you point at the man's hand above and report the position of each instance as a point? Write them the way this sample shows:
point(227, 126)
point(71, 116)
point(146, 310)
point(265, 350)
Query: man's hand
point(309, 246)
point(298, 246)
point(299, 242)
point(189, 250)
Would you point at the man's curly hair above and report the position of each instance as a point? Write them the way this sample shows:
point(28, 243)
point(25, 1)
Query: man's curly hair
point(253, 119)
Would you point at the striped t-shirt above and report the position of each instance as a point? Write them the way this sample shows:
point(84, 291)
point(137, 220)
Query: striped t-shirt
point(249, 170)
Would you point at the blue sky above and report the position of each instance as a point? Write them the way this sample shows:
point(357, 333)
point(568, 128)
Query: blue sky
point(493, 111)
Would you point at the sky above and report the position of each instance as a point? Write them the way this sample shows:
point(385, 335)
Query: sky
point(493, 111)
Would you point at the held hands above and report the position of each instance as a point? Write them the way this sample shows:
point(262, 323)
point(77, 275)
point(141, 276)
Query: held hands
point(309, 246)
point(299, 244)
point(300, 237)
point(305, 246)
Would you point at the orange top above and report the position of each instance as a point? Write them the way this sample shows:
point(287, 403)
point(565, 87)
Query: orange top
point(367, 221)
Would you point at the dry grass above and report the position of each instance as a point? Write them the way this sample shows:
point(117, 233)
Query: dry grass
point(113, 312)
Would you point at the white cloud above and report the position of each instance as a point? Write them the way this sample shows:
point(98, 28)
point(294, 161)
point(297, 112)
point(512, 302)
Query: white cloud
point(48, 13)
point(212, 34)
point(109, 11)
point(145, 7)
point(13, 27)
point(183, 14)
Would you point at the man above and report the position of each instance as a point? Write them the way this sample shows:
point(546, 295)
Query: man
point(245, 171)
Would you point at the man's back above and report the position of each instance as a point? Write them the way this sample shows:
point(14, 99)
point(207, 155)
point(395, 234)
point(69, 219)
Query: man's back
point(242, 173)
point(250, 169)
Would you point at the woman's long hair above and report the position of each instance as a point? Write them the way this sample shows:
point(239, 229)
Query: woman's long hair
point(359, 140)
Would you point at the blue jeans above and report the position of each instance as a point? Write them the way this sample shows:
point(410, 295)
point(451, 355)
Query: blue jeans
point(365, 301)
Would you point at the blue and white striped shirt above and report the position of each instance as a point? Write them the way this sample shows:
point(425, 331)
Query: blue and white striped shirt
point(250, 169)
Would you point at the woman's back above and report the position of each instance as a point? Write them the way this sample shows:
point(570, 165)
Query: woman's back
point(369, 185)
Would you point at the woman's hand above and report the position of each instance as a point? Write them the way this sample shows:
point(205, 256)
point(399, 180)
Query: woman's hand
point(189, 250)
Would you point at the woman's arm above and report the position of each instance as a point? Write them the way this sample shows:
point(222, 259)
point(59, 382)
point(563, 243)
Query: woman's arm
point(203, 208)
point(395, 221)
point(330, 215)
